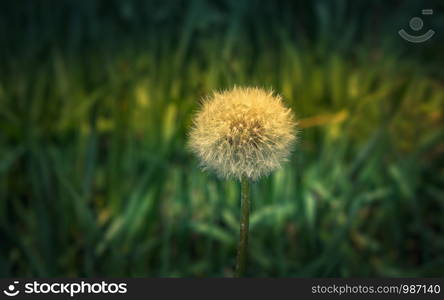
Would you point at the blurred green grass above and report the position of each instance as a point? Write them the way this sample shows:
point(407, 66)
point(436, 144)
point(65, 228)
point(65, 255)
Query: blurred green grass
point(96, 100)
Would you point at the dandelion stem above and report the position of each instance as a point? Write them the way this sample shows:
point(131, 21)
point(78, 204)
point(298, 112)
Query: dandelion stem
point(244, 224)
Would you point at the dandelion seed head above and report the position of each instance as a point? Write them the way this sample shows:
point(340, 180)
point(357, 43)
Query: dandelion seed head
point(243, 132)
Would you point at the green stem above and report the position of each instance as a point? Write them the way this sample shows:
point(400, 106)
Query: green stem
point(244, 224)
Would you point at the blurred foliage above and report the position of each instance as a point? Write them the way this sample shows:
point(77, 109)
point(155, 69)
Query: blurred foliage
point(95, 103)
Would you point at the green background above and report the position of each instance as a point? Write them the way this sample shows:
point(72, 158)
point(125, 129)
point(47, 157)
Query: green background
point(96, 99)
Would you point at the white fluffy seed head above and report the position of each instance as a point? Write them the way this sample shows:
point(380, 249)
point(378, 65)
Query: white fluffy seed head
point(243, 132)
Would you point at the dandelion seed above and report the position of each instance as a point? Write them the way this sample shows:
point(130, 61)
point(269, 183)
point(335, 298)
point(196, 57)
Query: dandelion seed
point(243, 132)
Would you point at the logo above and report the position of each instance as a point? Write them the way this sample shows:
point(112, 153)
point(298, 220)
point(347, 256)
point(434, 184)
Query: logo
point(416, 24)
point(11, 291)
point(67, 288)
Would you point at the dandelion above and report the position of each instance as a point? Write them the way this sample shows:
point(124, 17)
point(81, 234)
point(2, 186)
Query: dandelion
point(243, 133)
